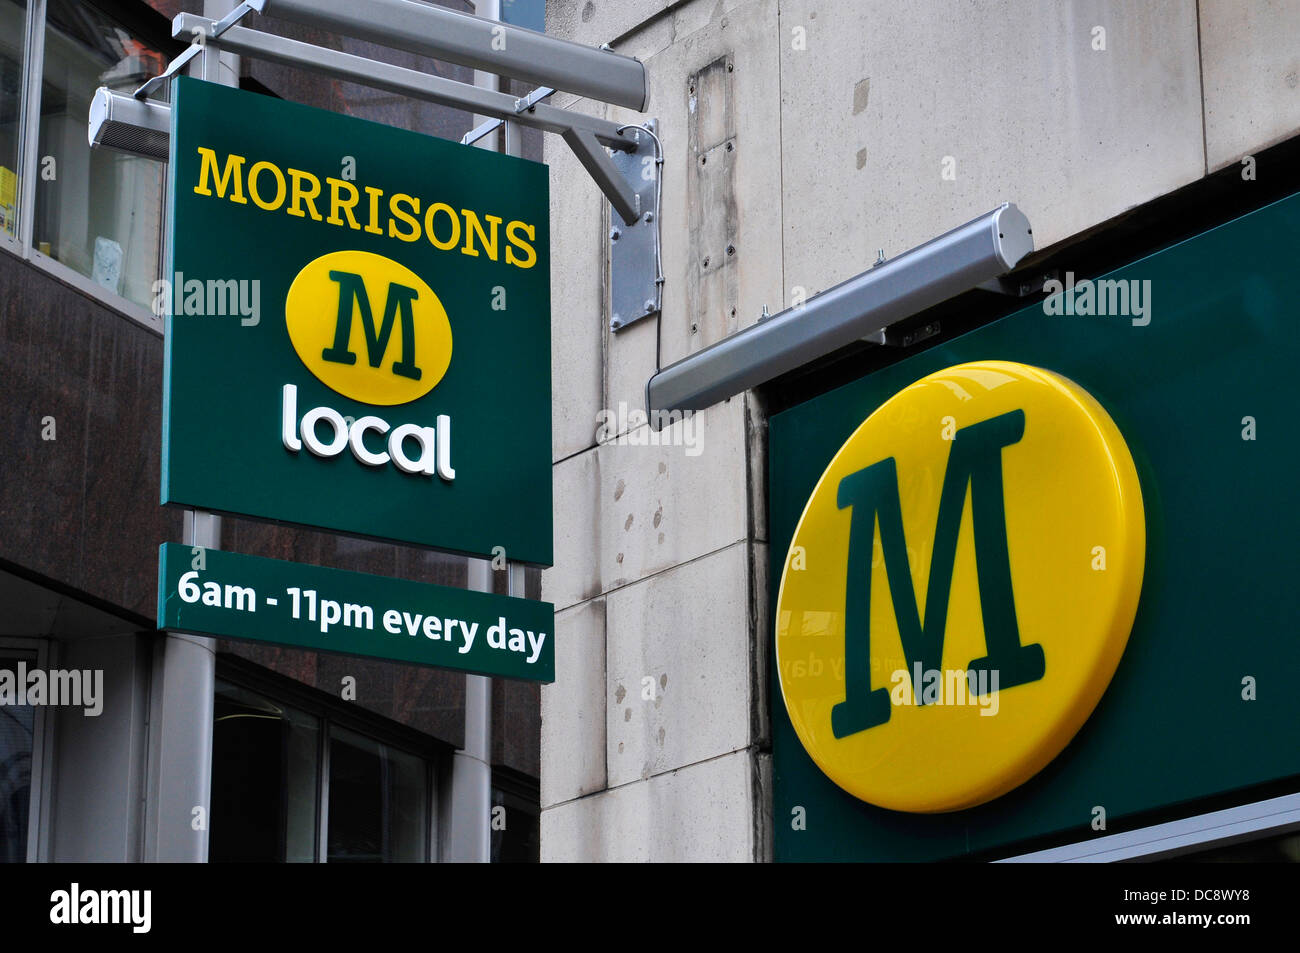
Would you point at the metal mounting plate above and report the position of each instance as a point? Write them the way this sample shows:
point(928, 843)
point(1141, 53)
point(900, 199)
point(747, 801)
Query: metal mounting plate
point(635, 291)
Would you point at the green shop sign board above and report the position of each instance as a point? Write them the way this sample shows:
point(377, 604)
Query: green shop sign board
point(357, 328)
point(1202, 704)
point(232, 596)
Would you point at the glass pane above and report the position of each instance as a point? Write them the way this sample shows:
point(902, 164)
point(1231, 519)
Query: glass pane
point(98, 211)
point(264, 779)
point(378, 801)
point(16, 725)
point(13, 18)
point(516, 829)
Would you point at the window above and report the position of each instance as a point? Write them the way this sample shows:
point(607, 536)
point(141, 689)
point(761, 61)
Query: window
point(378, 799)
point(98, 211)
point(13, 30)
point(265, 769)
point(516, 826)
point(93, 217)
point(20, 755)
point(284, 774)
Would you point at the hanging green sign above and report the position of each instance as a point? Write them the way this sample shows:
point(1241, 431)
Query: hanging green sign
point(357, 328)
point(231, 596)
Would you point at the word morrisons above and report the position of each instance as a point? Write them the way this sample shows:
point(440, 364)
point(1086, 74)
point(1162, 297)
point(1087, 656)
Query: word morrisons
point(445, 227)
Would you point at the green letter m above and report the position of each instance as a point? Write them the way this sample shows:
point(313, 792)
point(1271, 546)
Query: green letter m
point(353, 290)
point(871, 493)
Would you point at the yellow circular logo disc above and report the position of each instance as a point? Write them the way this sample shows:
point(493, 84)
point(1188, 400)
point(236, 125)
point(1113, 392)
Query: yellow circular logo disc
point(960, 587)
point(368, 327)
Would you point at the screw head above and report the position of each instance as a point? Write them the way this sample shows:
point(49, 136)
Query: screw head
point(649, 306)
point(649, 216)
point(615, 234)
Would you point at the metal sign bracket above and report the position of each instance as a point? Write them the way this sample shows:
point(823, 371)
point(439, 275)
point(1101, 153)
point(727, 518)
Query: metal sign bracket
point(631, 178)
point(201, 33)
point(636, 276)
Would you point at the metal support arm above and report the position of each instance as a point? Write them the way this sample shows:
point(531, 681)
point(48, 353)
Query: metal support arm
point(857, 309)
point(624, 180)
point(586, 135)
point(479, 43)
point(210, 28)
point(601, 167)
point(398, 79)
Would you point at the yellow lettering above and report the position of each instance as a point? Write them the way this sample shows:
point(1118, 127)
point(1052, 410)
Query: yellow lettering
point(280, 188)
point(230, 175)
point(401, 198)
point(336, 203)
point(372, 225)
point(531, 256)
point(300, 194)
point(474, 227)
point(455, 226)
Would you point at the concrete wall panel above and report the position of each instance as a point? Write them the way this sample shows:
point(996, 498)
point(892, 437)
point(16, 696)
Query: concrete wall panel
point(877, 96)
point(573, 707)
point(1250, 57)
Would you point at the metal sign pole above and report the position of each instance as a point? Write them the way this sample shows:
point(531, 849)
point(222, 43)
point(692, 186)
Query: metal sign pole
point(470, 837)
point(179, 794)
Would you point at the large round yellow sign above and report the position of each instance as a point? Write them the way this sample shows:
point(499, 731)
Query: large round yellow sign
point(960, 587)
point(368, 327)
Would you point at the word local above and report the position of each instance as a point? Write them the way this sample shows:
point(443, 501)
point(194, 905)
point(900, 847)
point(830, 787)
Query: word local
point(434, 442)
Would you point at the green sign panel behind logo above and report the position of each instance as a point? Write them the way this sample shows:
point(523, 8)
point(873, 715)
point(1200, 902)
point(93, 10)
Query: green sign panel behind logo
point(358, 328)
point(332, 610)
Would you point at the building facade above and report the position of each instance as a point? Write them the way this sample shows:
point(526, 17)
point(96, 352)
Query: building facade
point(1152, 147)
point(179, 748)
point(803, 142)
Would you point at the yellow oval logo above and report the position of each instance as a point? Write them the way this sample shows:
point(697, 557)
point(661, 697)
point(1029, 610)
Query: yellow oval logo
point(368, 327)
point(960, 587)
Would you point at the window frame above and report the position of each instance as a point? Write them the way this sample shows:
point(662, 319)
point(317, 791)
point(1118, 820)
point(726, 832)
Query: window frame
point(42, 753)
point(519, 794)
point(330, 712)
point(133, 14)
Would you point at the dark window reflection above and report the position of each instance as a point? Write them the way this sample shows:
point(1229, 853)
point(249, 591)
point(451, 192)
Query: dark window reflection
point(16, 725)
point(515, 825)
point(378, 799)
point(264, 780)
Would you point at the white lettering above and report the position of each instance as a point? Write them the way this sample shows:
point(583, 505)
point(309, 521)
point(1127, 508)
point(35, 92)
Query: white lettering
point(432, 445)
